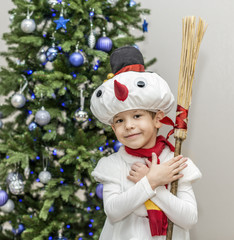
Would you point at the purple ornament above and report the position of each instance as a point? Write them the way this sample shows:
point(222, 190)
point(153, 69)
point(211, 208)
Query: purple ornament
point(117, 145)
point(3, 197)
point(99, 190)
point(104, 44)
point(76, 59)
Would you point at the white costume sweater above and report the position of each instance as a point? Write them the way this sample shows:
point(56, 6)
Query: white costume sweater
point(124, 200)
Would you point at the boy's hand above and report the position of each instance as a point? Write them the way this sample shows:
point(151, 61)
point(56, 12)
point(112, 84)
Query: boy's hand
point(137, 172)
point(167, 172)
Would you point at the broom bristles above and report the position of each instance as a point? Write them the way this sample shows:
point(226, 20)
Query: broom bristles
point(191, 42)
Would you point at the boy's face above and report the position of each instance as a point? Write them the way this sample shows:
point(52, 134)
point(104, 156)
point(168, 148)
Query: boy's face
point(136, 128)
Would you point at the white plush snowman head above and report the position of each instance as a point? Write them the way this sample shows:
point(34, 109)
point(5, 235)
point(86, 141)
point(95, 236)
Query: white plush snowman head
point(131, 88)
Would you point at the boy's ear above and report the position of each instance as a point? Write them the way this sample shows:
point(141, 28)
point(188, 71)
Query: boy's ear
point(159, 116)
point(113, 127)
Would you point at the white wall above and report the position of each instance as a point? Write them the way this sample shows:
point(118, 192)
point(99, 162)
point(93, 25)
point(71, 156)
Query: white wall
point(4, 26)
point(211, 131)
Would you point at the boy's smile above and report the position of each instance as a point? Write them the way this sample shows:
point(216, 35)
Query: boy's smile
point(132, 135)
point(137, 128)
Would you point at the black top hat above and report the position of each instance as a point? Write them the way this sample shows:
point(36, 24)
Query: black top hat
point(125, 56)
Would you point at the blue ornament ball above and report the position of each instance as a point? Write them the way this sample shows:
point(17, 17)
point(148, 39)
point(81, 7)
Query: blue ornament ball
point(132, 3)
point(19, 230)
point(104, 44)
point(135, 46)
point(51, 54)
point(99, 190)
point(76, 59)
point(32, 126)
point(117, 145)
point(51, 209)
point(3, 197)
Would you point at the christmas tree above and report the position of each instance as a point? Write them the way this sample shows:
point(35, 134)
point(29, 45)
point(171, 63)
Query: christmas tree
point(58, 53)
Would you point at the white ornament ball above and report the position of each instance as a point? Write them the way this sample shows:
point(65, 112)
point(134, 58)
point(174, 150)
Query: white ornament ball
point(8, 206)
point(44, 176)
point(18, 100)
point(42, 117)
point(28, 25)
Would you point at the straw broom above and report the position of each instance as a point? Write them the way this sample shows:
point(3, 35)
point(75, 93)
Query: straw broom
point(191, 41)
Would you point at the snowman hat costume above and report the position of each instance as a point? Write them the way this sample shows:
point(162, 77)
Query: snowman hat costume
point(130, 88)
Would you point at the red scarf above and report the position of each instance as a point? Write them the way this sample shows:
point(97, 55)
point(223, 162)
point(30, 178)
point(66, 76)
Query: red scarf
point(157, 218)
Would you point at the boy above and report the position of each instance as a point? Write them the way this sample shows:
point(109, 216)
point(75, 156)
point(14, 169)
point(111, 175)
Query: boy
point(136, 198)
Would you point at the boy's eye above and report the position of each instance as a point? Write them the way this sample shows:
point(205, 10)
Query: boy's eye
point(119, 121)
point(137, 116)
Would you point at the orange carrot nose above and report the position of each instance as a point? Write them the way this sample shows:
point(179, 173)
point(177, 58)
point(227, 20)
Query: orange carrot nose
point(121, 91)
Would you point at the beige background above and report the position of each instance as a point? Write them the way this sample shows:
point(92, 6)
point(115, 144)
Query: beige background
point(211, 131)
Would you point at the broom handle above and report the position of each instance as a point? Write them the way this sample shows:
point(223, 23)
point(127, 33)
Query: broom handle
point(174, 186)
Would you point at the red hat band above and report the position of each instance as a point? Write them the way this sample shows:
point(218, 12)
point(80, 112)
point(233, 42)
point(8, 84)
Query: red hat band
point(121, 91)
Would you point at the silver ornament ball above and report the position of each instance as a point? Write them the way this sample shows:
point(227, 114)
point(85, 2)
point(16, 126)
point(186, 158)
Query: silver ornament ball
point(52, 2)
point(18, 100)
point(42, 117)
point(19, 62)
point(28, 25)
point(8, 206)
point(81, 116)
point(41, 57)
point(13, 176)
point(16, 185)
point(44, 176)
point(11, 17)
point(112, 2)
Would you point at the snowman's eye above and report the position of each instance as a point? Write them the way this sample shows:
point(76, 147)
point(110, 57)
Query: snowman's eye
point(100, 92)
point(140, 82)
